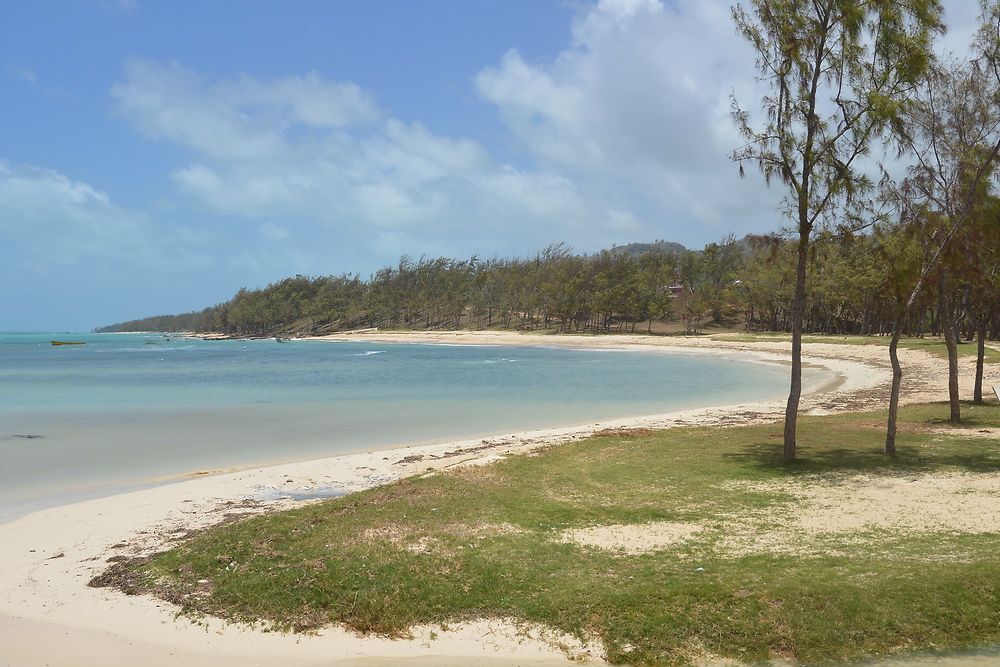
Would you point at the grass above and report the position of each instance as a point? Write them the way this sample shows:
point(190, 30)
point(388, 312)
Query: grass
point(480, 542)
point(933, 345)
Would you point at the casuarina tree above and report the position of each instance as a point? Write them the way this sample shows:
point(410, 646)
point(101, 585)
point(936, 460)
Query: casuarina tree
point(952, 133)
point(839, 75)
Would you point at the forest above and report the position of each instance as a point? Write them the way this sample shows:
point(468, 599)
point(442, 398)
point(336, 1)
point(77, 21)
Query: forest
point(745, 283)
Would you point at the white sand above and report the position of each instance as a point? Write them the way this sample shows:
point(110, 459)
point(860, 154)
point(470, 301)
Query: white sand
point(632, 538)
point(48, 616)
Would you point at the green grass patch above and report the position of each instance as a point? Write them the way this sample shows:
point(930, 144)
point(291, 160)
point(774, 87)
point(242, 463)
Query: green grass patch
point(484, 542)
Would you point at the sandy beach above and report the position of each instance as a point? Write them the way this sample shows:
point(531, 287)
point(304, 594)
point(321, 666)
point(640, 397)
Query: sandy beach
point(48, 615)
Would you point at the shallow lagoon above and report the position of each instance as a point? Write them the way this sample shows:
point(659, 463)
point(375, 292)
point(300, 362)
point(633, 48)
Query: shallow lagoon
point(127, 410)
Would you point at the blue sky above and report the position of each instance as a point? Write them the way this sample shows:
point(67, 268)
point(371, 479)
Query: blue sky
point(156, 157)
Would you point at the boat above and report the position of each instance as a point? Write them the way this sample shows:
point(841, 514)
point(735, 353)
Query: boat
point(67, 342)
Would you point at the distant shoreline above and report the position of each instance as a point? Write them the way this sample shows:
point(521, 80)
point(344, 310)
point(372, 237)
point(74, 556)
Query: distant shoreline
point(49, 555)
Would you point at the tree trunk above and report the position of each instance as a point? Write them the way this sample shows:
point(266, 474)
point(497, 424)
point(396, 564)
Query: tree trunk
point(948, 328)
point(798, 306)
point(897, 381)
point(977, 396)
point(902, 317)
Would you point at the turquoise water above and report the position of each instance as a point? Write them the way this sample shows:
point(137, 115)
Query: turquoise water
point(125, 409)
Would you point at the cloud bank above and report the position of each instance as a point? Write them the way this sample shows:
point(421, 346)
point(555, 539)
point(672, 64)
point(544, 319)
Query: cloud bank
point(623, 135)
point(305, 151)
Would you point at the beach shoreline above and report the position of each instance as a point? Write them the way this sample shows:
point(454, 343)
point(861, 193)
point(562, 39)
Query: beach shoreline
point(50, 555)
point(84, 448)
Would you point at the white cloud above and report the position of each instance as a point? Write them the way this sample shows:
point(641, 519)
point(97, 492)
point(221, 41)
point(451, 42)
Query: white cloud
point(52, 220)
point(95, 260)
point(313, 151)
point(637, 107)
point(626, 132)
point(238, 119)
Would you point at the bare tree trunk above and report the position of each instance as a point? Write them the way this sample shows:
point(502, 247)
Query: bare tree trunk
point(897, 381)
point(977, 396)
point(902, 317)
point(948, 328)
point(795, 391)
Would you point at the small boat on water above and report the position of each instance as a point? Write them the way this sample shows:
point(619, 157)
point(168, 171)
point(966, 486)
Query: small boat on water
point(67, 342)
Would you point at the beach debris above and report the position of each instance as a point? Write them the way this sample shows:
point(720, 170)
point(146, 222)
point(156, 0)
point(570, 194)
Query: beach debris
point(624, 432)
point(21, 436)
point(61, 554)
point(122, 575)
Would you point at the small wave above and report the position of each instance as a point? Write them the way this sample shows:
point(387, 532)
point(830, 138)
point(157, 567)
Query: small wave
point(369, 353)
point(490, 362)
point(459, 344)
point(152, 349)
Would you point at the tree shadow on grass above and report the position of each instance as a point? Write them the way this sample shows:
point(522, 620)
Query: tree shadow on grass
point(767, 457)
point(967, 422)
point(973, 416)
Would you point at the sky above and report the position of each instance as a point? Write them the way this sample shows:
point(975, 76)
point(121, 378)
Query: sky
point(157, 156)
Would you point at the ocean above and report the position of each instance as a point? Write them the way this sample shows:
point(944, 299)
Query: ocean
point(128, 410)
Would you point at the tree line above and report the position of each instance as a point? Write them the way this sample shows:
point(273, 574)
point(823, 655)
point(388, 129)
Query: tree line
point(745, 283)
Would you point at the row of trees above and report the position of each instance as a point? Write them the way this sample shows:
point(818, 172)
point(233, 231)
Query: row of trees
point(747, 283)
point(844, 76)
point(554, 289)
